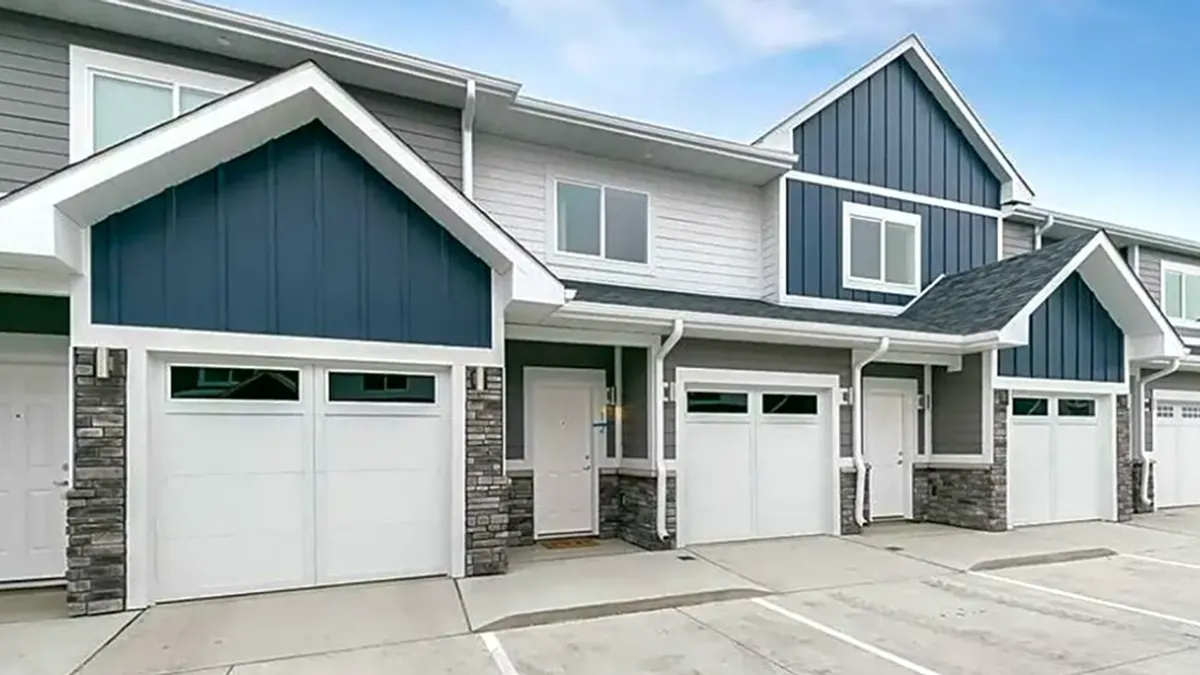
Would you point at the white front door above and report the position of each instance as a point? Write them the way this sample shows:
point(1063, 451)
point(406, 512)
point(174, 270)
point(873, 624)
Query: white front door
point(564, 418)
point(34, 449)
point(889, 444)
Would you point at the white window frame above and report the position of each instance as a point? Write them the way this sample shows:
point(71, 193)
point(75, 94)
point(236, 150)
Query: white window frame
point(1179, 268)
point(598, 261)
point(853, 210)
point(86, 63)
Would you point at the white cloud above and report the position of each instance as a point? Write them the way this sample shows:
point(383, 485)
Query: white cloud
point(620, 38)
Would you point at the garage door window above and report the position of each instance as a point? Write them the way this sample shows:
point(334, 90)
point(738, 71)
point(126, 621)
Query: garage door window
point(789, 404)
point(717, 402)
point(382, 388)
point(1030, 407)
point(1076, 407)
point(234, 384)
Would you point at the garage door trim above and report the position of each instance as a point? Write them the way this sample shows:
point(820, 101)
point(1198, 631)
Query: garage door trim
point(828, 385)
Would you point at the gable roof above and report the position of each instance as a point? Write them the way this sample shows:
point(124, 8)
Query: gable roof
point(86, 192)
point(1013, 189)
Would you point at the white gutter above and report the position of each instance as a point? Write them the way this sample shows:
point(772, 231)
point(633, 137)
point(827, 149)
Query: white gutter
point(1149, 460)
point(1037, 231)
point(660, 438)
point(858, 420)
point(468, 141)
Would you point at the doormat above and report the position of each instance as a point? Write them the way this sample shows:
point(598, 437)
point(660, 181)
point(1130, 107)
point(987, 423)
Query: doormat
point(584, 542)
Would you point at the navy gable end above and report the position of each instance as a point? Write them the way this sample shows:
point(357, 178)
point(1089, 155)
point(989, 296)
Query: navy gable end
point(299, 237)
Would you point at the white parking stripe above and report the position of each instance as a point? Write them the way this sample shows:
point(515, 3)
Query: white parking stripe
point(850, 640)
point(1087, 598)
point(1162, 561)
point(503, 663)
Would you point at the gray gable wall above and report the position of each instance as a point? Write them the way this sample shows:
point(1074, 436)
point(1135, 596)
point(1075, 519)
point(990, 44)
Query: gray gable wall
point(34, 91)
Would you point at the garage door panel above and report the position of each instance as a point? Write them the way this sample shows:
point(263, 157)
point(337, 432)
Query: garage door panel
point(227, 504)
point(204, 566)
point(1177, 454)
point(230, 444)
point(1029, 459)
point(1058, 453)
point(1076, 471)
point(719, 480)
point(792, 494)
point(372, 442)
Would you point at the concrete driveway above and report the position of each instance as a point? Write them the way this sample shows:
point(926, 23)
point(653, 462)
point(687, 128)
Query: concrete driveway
point(918, 599)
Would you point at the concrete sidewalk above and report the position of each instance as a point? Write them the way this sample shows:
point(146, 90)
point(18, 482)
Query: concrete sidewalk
point(37, 638)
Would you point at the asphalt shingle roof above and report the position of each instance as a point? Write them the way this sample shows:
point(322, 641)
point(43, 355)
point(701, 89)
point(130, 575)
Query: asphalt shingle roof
point(982, 299)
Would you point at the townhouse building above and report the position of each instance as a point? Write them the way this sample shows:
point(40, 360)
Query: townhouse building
point(279, 309)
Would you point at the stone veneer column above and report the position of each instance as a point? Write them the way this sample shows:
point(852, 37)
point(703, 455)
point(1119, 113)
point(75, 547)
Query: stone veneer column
point(972, 497)
point(637, 499)
point(487, 488)
point(1125, 470)
point(96, 555)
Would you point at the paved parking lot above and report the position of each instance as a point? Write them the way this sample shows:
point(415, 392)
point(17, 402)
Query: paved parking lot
point(909, 601)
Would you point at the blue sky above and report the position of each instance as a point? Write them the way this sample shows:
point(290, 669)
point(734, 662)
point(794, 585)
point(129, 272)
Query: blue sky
point(1096, 101)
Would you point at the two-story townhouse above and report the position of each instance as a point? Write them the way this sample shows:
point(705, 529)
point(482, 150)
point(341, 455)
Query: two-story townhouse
point(334, 314)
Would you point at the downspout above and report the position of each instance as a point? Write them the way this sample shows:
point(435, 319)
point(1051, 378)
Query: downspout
point(858, 421)
point(660, 437)
point(1037, 231)
point(468, 142)
point(1148, 460)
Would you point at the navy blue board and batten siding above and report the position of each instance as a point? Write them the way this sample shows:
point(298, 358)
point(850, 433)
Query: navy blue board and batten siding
point(299, 237)
point(1071, 337)
point(951, 241)
point(891, 132)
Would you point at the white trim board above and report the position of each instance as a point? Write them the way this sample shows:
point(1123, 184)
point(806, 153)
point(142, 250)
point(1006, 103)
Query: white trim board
point(1060, 388)
point(1014, 187)
point(890, 193)
point(60, 205)
point(1167, 395)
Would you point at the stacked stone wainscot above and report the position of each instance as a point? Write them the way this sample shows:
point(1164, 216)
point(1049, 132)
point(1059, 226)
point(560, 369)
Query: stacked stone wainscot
point(487, 488)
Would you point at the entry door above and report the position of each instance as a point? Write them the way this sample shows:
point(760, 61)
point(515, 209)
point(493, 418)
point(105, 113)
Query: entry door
point(889, 444)
point(565, 426)
point(33, 472)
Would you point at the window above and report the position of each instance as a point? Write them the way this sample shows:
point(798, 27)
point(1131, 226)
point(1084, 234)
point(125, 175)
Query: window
point(114, 97)
point(602, 222)
point(1030, 407)
point(881, 249)
point(789, 404)
point(234, 384)
point(1181, 292)
point(1076, 407)
point(1165, 411)
point(382, 388)
point(717, 402)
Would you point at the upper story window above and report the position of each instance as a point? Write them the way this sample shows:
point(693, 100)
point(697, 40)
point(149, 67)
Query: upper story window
point(1181, 292)
point(114, 97)
point(602, 222)
point(881, 249)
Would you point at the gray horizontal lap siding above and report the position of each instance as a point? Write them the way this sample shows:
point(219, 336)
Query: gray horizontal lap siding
point(520, 354)
point(34, 88)
point(720, 354)
point(890, 131)
point(951, 241)
point(958, 408)
point(635, 409)
point(1018, 238)
point(299, 237)
point(1071, 337)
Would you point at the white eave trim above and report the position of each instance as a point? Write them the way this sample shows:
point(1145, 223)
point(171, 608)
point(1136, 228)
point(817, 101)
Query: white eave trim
point(313, 41)
point(126, 174)
point(1121, 294)
point(1014, 187)
point(778, 159)
point(1155, 240)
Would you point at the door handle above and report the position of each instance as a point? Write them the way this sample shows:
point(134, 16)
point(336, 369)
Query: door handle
point(61, 483)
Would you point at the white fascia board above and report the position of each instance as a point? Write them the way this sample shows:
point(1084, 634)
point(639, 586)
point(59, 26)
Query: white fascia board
point(1156, 240)
point(1122, 295)
point(1014, 188)
point(187, 146)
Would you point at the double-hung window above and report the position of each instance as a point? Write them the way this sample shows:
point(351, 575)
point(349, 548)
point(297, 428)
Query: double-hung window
point(1181, 292)
point(881, 249)
point(601, 222)
point(114, 97)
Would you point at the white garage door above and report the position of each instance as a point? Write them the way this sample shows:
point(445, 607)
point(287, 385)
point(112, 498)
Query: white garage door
point(757, 464)
point(1060, 455)
point(275, 478)
point(1177, 453)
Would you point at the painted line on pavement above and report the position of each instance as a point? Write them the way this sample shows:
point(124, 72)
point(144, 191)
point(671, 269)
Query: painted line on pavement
point(848, 639)
point(1162, 561)
point(499, 656)
point(1087, 598)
